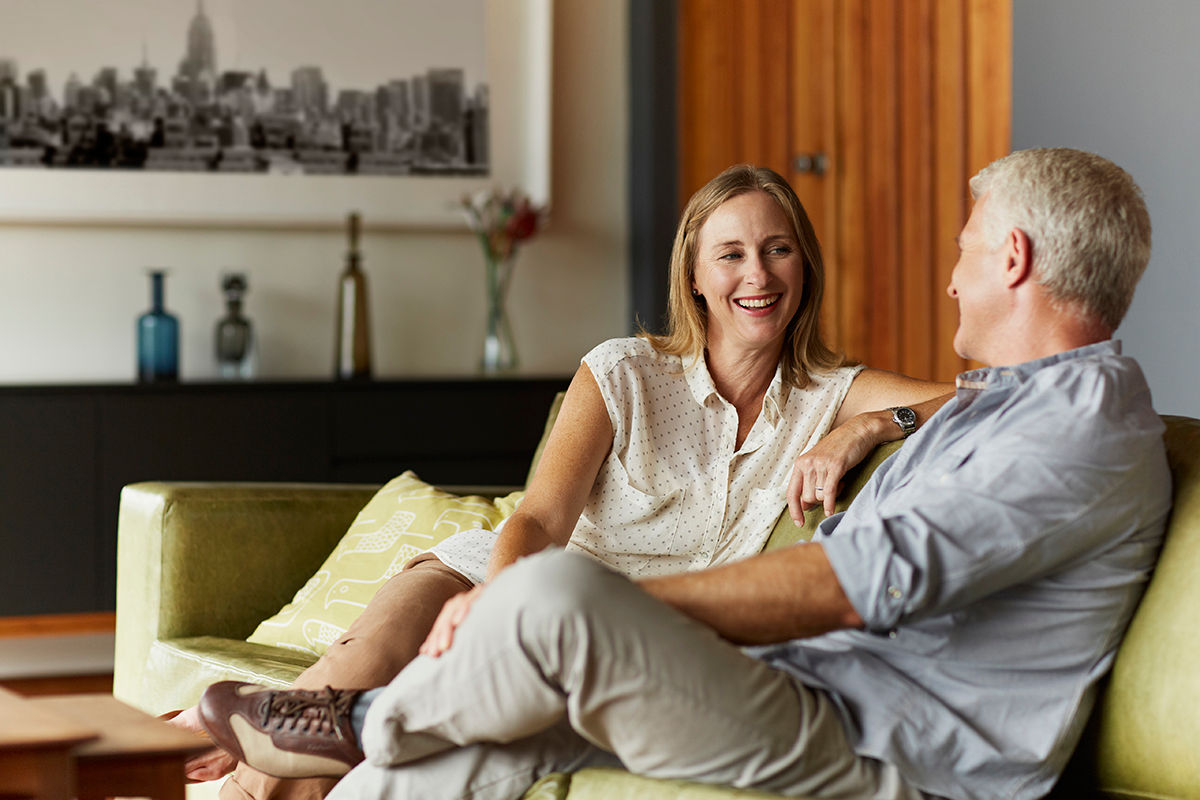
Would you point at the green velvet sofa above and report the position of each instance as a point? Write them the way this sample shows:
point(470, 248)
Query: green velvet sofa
point(200, 565)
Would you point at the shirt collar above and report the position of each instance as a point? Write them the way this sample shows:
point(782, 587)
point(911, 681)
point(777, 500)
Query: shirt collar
point(991, 377)
point(700, 382)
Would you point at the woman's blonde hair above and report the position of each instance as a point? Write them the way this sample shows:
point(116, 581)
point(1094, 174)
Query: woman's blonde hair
point(687, 317)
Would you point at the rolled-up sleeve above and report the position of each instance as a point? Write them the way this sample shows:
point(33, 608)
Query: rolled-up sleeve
point(971, 522)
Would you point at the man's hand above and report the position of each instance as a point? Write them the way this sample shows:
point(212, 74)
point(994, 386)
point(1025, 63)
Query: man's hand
point(817, 474)
point(441, 635)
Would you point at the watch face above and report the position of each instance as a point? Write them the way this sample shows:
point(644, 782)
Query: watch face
point(905, 416)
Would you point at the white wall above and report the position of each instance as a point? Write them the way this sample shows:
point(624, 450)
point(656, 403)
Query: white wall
point(1123, 79)
point(69, 296)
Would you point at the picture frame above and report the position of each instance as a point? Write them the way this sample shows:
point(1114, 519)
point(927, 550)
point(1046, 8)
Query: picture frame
point(518, 41)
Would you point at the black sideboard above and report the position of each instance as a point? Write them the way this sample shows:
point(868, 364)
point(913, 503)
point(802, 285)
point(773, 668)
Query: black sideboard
point(66, 451)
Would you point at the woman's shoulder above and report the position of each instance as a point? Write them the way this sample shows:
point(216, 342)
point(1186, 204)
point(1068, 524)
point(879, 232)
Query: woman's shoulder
point(632, 352)
point(834, 378)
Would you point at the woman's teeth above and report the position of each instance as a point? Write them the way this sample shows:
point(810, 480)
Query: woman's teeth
point(760, 302)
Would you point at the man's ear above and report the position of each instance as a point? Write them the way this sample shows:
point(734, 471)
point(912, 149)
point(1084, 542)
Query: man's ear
point(1018, 267)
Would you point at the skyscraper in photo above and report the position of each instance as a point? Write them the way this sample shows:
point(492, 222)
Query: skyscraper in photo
point(197, 76)
point(200, 59)
point(446, 97)
point(477, 124)
point(37, 84)
point(310, 91)
point(420, 103)
point(10, 97)
point(145, 77)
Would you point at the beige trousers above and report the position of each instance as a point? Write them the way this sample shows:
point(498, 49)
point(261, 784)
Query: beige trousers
point(383, 639)
point(563, 663)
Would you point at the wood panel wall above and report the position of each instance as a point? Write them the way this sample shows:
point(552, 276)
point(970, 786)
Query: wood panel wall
point(906, 98)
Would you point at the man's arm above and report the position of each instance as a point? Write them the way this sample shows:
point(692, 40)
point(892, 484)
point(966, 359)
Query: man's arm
point(772, 597)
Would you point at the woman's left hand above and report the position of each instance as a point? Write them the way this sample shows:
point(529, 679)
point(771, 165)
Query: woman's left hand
point(441, 635)
point(817, 474)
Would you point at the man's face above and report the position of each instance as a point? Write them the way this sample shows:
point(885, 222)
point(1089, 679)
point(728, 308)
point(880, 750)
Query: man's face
point(976, 284)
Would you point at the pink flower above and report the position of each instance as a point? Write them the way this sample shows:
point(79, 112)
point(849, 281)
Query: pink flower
point(501, 220)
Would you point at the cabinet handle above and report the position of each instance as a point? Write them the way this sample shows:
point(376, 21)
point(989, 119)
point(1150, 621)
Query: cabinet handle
point(811, 163)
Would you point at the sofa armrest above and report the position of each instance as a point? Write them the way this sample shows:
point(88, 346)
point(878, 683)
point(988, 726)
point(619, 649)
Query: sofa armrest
point(197, 559)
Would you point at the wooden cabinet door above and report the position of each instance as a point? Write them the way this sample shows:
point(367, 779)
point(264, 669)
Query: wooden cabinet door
point(877, 112)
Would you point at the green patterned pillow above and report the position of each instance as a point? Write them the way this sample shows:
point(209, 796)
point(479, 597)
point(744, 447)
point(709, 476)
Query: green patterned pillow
point(404, 518)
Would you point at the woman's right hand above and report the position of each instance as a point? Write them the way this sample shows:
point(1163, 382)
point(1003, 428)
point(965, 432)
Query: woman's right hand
point(441, 635)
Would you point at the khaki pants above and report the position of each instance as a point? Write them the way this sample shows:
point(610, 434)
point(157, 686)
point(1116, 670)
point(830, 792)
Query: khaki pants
point(563, 663)
point(383, 639)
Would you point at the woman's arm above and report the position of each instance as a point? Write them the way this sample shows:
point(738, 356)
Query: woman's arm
point(863, 422)
point(578, 444)
point(875, 390)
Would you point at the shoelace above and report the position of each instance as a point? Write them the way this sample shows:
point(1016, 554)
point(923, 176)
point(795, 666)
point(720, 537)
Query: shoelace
point(320, 712)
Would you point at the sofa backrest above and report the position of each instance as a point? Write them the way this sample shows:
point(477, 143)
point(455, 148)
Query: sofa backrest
point(1144, 737)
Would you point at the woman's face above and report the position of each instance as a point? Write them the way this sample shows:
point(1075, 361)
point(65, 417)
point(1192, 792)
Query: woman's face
point(750, 271)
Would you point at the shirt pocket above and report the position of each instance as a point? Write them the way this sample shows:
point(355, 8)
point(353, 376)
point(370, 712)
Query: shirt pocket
point(632, 522)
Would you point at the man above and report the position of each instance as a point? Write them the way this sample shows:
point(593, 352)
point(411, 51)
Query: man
point(941, 638)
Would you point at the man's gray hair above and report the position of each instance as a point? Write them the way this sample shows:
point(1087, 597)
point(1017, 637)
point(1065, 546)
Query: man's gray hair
point(1085, 218)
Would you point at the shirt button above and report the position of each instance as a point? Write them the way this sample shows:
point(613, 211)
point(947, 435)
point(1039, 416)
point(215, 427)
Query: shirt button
point(895, 592)
point(892, 634)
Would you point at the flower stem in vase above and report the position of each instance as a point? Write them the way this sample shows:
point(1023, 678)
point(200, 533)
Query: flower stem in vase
point(499, 348)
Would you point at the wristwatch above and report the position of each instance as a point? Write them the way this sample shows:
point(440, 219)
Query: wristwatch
point(905, 417)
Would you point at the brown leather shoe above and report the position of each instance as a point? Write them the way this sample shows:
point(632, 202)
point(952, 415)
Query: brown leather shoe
point(288, 734)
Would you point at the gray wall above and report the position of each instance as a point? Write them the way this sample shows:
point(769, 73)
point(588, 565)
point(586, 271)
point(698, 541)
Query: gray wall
point(1122, 79)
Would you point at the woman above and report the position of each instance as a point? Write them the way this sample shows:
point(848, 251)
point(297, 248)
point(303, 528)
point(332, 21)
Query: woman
point(670, 452)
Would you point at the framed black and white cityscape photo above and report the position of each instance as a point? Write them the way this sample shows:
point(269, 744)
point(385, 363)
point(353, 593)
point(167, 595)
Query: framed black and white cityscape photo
point(269, 112)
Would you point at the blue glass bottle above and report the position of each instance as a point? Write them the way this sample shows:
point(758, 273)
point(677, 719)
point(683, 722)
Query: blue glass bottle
point(157, 338)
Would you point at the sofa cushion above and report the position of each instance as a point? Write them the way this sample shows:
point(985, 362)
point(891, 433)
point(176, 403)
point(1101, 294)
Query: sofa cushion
point(404, 518)
point(786, 532)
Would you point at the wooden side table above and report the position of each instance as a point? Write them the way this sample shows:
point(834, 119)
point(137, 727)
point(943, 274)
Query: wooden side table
point(135, 755)
point(36, 749)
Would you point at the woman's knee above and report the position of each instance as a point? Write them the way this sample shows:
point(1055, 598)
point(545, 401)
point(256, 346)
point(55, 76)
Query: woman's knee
point(390, 630)
point(557, 581)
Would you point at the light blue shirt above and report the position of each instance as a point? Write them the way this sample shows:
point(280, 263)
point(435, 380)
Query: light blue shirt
point(996, 560)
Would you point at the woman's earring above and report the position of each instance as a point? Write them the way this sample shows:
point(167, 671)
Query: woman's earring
point(695, 293)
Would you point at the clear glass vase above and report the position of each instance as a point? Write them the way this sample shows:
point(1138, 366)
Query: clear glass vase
point(234, 335)
point(499, 348)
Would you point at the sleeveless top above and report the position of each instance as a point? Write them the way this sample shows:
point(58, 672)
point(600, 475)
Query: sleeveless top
point(674, 492)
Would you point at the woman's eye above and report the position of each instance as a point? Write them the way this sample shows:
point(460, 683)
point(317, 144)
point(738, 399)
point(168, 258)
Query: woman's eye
point(730, 257)
point(780, 250)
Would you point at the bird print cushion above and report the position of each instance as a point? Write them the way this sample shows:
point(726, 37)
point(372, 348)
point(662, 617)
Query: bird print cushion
point(404, 519)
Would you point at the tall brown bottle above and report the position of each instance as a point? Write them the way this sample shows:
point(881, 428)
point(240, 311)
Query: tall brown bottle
point(352, 356)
